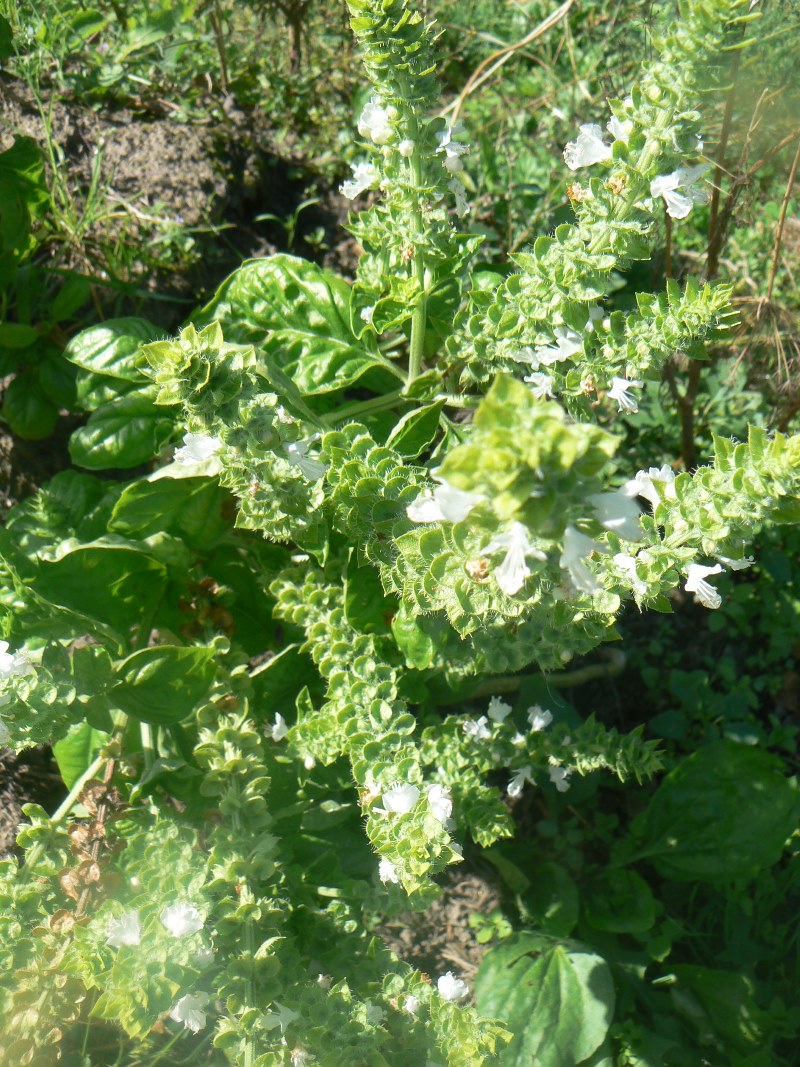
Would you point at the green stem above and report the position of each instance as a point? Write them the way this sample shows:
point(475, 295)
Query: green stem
point(362, 407)
point(420, 313)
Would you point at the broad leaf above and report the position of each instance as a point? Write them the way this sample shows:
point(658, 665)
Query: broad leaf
point(298, 312)
point(164, 684)
point(557, 998)
point(189, 507)
point(123, 433)
point(111, 348)
point(416, 430)
point(723, 813)
point(26, 408)
point(75, 752)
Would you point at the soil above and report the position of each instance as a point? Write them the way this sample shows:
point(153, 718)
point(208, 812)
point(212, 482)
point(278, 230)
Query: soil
point(31, 777)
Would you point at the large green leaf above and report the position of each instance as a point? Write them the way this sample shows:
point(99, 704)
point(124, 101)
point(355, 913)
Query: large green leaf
point(190, 507)
point(719, 1004)
point(23, 194)
point(111, 582)
point(723, 813)
point(125, 432)
point(75, 752)
point(163, 684)
point(111, 347)
point(298, 312)
point(556, 997)
point(26, 408)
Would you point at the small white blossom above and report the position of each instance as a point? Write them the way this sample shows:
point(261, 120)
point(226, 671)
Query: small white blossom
point(443, 504)
point(596, 314)
point(324, 981)
point(577, 546)
point(309, 763)
point(400, 799)
point(568, 342)
point(737, 564)
point(124, 931)
point(411, 1004)
point(374, 123)
point(619, 513)
point(619, 392)
point(518, 739)
point(620, 129)
point(517, 783)
point(524, 355)
point(696, 583)
point(513, 571)
point(680, 190)
point(182, 919)
point(627, 564)
point(559, 776)
point(541, 384)
point(451, 148)
point(365, 176)
point(406, 148)
point(477, 728)
point(282, 415)
point(204, 957)
point(283, 1017)
point(589, 148)
point(300, 1057)
point(189, 1011)
point(197, 448)
point(278, 730)
point(366, 313)
point(452, 988)
point(441, 802)
point(645, 484)
point(539, 718)
point(387, 872)
point(296, 454)
point(12, 663)
point(498, 710)
point(460, 193)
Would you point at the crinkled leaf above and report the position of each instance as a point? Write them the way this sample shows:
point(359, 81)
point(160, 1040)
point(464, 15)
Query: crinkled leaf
point(125, 432)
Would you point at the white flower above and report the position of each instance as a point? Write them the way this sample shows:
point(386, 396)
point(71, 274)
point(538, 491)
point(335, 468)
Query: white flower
point(524, 355)
point(441, 802)
point(559, 776)
point(596, 314)
point(645, 484)
point(452, 149)
point(737, 564)
point(374, 124)
point(366, 313)
point(189, 1011)
point(204, 956)
point(283, 1017)
point(406, 148)
point(278, 730)
point(539, 718)
point(513, 571)
point(282, 415)
point(452, 988)
point(365, 176)
point(541, 383)
point(443, 504)
point(197, 448)
point(589, 148)
point(296, 454)
point(400, 799)
point(410, 1004)
point(498, 710)
point(620, 129)
point(387, 872)
point(300, 1057)
point(577, 547)
point(517, 783)
point(619, 513)
point(619, 392)
point(460, 193)
point(324, 981)
point(568, 342)
point(627, 564)
point(182, 919)
point(679, 204)
point(124, 931)
point(477, 728)
point(696, 583)
point(12, 663)
point(309, 763)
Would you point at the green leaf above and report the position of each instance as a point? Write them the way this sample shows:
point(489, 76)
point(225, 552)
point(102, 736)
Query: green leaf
point(114, 584)
point(719, 1004)
point(557, 998)
point(163, 685)
point(111, 348)
point(298, 312)
point(620, 902)
point(416, 430)
point(125, 432)
point(23, 194)
point(189, 507)
point(27, 409)
point(723, 813)
point(17, 335)
point(75, 752)
point(551, 901)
